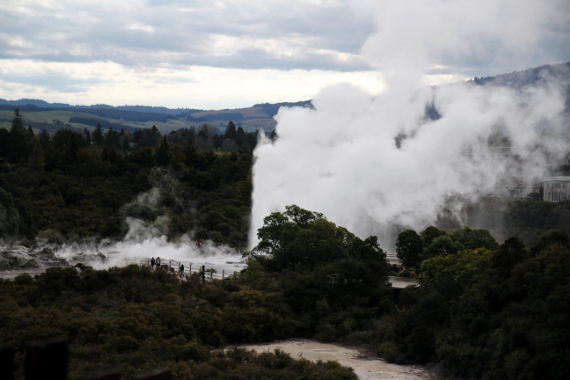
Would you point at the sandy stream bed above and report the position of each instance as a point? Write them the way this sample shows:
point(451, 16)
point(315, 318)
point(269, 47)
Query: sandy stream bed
point(365, 367)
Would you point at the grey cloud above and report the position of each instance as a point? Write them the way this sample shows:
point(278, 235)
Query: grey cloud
point(55, 81)
point(184, 32)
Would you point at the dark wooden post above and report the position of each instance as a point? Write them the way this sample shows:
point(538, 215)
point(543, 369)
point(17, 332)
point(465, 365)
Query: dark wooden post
point(6, 362)
point(155, 374)
point(203, 272)
point(46, 359)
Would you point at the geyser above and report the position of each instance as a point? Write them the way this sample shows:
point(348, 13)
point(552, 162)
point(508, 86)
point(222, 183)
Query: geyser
point(379, 163)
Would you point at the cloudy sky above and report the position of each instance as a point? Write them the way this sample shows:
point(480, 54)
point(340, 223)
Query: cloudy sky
point(212, 54)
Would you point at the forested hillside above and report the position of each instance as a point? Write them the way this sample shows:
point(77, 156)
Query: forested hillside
point(41, 115)
point(72, 185)
point(482, 310)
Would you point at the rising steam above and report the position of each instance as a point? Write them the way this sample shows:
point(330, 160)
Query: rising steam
point(148, 238)
point(379, 163)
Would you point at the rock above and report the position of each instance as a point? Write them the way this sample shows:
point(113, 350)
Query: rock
point(102, 256)
point(47, 252)
point(4, 263)
point(55, 262)
point(19, 258)
point(30, 264)
point(79, 257)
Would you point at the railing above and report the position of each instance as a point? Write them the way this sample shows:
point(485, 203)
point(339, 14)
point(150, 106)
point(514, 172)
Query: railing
point(174, 267)
point(47, 359)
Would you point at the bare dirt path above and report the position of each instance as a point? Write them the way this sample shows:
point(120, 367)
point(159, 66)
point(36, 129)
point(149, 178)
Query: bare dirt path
point(365, 367)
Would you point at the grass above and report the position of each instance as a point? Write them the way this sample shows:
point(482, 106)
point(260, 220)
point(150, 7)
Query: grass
point(172, 124)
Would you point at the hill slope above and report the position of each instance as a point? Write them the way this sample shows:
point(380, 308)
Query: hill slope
point(40, 114)
point(53, 116)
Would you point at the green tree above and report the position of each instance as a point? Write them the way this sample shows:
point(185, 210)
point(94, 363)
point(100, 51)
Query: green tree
point(18, 147)
point(87, 135)
point(18, 122)
point(9, 215)
point(461, 267)
point(162, 158)
point(409, 248)
point(98, 137)
point(442, 245)
point(299, 239)
point(37, 156)
point(475, 238)
point(231, 131)
point(430, 234)
point(511, 252)
point(112, 139)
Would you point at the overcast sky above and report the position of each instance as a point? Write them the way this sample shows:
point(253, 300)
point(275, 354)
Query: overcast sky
point(227, 54)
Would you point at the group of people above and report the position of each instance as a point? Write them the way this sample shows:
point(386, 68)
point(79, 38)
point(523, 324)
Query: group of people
point(156, 262)
point(198, 243)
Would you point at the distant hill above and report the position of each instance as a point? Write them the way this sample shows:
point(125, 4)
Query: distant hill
point(40, 115)
point(520, 79)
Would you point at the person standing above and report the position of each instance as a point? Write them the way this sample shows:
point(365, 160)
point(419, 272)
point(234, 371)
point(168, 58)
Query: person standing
point(157, 262)
point(152, 263)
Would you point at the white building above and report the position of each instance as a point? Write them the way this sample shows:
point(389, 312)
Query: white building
point(556, 189)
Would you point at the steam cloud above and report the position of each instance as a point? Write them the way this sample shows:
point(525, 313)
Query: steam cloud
point(377, 163)
point(146, 239)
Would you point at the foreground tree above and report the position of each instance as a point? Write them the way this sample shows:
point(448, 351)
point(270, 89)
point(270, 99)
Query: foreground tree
point(334, 280)
point(409, 248)
point(299, 239)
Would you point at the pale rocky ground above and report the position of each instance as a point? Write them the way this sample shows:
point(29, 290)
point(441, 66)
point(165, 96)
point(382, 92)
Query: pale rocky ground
point(17, 259)
point(364, 366)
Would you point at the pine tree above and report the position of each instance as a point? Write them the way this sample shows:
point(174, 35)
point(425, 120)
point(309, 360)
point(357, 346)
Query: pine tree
point(18, 147)
point(87, 136)
point(18, 123)
point(98, 137)
point(162, 158)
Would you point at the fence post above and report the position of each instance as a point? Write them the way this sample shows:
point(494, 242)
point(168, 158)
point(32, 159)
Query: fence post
point(223, 274)
point(203, 273)
point(46, 359)
point(6, 362)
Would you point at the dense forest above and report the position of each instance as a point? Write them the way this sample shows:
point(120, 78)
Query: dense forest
point(482, 309)
point(72, 185)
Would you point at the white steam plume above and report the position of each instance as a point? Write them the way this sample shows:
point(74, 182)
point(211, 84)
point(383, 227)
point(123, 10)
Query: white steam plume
point(341, 158)
point(146, 239)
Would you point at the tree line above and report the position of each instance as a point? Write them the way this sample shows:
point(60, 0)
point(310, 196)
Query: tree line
point(74, 185)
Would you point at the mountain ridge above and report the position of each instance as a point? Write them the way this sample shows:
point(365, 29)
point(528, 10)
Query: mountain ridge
point(40, 114)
